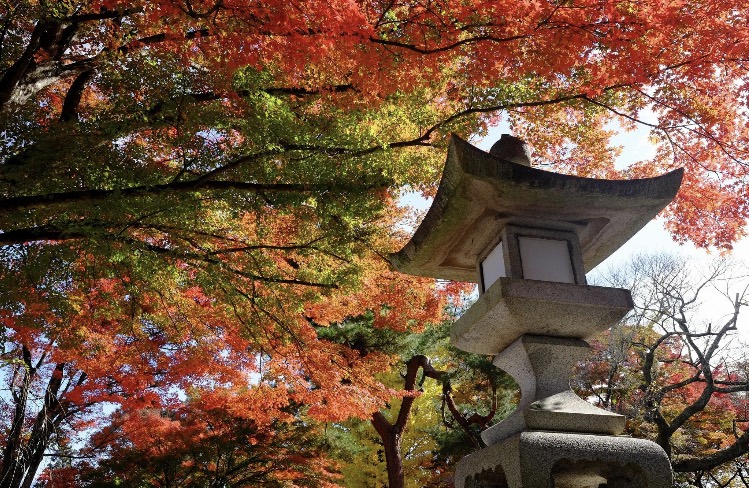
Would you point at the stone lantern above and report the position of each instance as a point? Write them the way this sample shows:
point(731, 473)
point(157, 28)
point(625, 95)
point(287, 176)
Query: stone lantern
point(527, 237)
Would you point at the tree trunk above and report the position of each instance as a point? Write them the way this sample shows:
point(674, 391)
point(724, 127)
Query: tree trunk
point(391, 444)
point(14, 454)
point(391, 433)
point(22, 458)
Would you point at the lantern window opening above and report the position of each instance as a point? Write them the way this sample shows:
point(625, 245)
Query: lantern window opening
point(572, 256)
point(492, 266)
point(535, 254)
point(546, 259)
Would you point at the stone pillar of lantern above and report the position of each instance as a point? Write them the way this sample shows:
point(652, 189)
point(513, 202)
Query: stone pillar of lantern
point(527, 237)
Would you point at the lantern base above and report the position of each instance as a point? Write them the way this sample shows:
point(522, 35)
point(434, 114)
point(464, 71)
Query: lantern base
point(535, 459)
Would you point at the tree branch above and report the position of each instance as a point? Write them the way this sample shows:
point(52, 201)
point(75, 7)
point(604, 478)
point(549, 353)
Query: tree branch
point(712, 461)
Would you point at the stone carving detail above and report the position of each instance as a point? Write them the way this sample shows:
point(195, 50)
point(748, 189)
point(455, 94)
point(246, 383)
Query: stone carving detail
point(493, 478)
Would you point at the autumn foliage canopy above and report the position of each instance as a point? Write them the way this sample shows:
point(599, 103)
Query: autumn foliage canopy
point(191, 189)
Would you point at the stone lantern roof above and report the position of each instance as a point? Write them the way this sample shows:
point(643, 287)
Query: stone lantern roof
point(480, 193)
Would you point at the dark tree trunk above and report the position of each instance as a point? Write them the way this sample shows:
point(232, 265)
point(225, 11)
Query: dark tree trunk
point(12, 470)
point(391, 444)
point(391, 434)
point(24, 450)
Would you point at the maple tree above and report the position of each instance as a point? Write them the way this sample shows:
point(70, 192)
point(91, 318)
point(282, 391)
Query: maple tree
point(200, 445)
point(671, 369)
point(110, 340)
point(391, 431)
point(187, 187)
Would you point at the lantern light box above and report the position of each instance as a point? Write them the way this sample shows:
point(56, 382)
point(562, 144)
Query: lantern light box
point(532, 254)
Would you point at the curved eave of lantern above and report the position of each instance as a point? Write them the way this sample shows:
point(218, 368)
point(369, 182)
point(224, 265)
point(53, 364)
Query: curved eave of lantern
point(479, 194)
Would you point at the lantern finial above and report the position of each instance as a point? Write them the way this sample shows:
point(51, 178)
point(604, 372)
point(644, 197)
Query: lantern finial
point(512, 149)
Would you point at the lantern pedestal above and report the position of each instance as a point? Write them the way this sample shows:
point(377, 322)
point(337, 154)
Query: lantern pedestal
point(541, 367)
